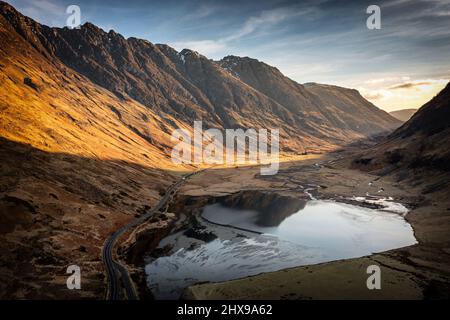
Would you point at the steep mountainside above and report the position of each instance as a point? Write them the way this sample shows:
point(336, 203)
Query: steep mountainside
point(404, 114)
point(333, 112)
point(188, 86)
point(419, 144)
point(431, 119)
point(76, 163)
point(54, 108)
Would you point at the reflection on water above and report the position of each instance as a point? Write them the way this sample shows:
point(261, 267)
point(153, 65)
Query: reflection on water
point(272, 208)
point(221, 260)
point(321, 231)
point(340, 230)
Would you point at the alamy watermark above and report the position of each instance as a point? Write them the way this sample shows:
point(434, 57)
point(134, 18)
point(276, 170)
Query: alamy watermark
point(374, 20)
point(239, 146)
point(74, 280)
point(74, 19)
point(374, 280)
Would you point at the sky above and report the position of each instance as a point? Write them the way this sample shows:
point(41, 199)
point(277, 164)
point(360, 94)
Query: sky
point(401, 65)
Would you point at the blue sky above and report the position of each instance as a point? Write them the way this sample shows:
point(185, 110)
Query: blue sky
point(401, 65)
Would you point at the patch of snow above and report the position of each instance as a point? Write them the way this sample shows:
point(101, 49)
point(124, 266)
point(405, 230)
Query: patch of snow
point(387, 203)
point(306, 191)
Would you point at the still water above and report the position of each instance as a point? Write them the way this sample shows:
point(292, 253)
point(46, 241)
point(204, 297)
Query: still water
point(319, 232)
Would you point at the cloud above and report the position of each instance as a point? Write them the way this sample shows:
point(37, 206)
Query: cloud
point(419, 84)
point(386, 80)
point(398, 93)
point(205, 47)
point(305, 70)
point(201, 12)
point(44, 11)
point(409, 85)
point(263, 20)
point(253, 24)
point(375, 94)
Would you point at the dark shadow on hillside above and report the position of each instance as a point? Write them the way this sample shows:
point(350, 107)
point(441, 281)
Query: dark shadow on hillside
point(49, 202)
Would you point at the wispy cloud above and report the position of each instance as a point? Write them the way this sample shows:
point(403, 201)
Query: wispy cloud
point(205, 47)
point(201, 12)
point(409, 85)
point(393, 93)
point(49, 12)
point(252, 25)
point(264, 20)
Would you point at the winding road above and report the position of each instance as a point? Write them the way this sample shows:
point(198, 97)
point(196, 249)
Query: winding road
point(119, 280)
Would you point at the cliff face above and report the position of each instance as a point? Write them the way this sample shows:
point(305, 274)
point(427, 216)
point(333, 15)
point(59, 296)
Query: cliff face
point(51, 106)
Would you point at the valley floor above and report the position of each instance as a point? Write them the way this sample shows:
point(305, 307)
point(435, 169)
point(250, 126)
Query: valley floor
point(57, 210)
point(421, 271)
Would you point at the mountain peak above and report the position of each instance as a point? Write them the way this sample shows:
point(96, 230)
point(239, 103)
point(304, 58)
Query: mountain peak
point(236, 64)
point(188, 52)
point(5, 7)
point(13, 16)
point(238, 58)
point(92, 27)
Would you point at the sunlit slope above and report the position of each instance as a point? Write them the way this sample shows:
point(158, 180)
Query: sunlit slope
point(53, 108)
point(188, 86)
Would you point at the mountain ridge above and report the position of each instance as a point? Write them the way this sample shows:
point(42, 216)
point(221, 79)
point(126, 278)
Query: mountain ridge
point(330, 104)
point(189, 86)
point(403, 114)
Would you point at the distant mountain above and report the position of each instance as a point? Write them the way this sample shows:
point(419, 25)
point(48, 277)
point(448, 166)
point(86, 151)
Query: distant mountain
point(330, 112)
point(403, 115)
point(187, 86)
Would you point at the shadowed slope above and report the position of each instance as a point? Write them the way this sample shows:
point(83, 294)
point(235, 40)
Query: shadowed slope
point(421, 143)
point(329, 112)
